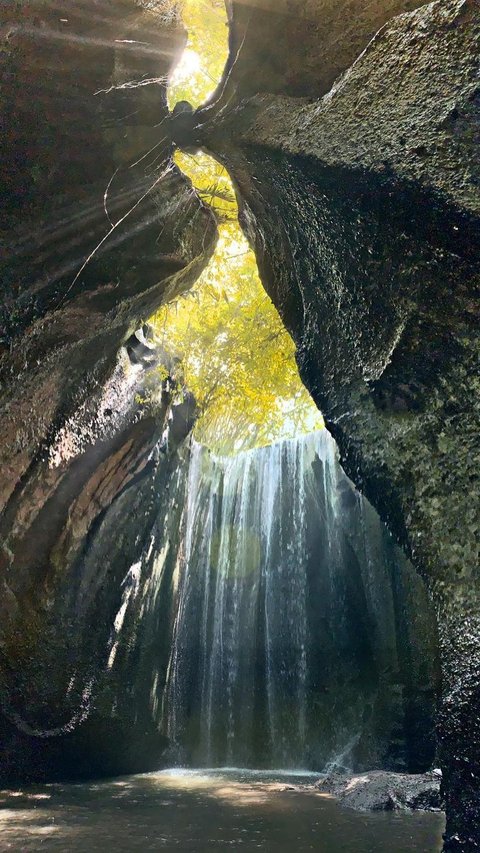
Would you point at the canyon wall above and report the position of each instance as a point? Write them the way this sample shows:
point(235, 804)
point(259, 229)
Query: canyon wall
point(98, 228)
point(363, 208)
point(360, 194)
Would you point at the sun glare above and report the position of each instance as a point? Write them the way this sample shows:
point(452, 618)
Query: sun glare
point(232, 350)
point(201, 66)
point(187, 70)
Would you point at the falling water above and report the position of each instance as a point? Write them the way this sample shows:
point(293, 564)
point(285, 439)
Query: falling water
point(281, 652)
point(244, 584)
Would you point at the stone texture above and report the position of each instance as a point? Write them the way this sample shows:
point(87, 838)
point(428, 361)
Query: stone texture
point(74, 127)
point(300, 48)
point(73, 536)
point(82, 102)
point(381, 791)
point(363, 208)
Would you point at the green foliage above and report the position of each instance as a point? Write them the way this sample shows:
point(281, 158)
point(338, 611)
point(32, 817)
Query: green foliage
point(234, 353)
point(236, 356)
point(200, 69)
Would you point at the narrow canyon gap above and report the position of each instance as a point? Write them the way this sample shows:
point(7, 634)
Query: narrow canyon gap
point(363, 209)
point(351, 132)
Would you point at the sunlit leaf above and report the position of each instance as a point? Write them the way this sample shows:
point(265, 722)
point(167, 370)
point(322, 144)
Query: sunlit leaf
point(236, 356)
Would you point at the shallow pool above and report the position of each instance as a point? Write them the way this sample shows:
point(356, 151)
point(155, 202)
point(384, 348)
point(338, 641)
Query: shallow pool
point(200, 811)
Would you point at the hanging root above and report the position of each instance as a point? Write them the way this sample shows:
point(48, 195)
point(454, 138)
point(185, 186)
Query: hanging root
point(133, 84)
point(113, 228)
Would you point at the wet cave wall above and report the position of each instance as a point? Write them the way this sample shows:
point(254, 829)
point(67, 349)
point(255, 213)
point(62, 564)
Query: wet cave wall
point(363, 208)
point(73, 699)
point(84, 402)
point(83, 98)
point(361, 201)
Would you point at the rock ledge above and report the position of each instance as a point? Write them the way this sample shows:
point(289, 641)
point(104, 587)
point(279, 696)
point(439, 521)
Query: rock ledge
point(380, 790)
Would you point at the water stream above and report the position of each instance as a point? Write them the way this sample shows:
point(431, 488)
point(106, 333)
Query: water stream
point(289, 646)
point(202, 812)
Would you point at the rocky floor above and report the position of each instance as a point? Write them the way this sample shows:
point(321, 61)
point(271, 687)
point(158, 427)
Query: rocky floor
point(380, 790)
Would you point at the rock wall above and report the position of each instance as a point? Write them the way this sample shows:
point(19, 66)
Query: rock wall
point(71, 697)
point(362, 203)
point(363, 208)
point(98, 228)
point(300, 48)
point(83, 99)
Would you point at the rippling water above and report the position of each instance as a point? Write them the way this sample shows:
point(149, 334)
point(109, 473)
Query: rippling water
point(200, 811)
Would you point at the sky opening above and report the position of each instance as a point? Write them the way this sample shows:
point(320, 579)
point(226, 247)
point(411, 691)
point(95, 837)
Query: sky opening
point(232, 350)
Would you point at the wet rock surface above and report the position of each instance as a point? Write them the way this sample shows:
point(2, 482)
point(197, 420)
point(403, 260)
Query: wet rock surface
point(382, 791)
point(92, 240)
point(67, 674)
point(362, 203)
point(363, 208)
point(98, 228)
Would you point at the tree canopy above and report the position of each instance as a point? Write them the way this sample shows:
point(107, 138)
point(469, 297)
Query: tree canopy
point(233, 351)
point(200, 69)
point(235, 354)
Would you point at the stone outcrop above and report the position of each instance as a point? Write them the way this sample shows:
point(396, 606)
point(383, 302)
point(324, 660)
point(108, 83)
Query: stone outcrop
point(381, 791)
point(360, 194)
point(83, 100)
point(299, 49)
point(98, 228)
point(363, 208)
point(67, 675)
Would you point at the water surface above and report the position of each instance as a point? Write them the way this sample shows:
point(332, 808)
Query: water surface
point(200, 811)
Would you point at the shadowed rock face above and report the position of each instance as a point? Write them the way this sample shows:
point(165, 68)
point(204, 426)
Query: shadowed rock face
point(75, 125)
point(72, 699)
point(363, 208)
point(300, 48)
point(83, 99)
point(362, 205)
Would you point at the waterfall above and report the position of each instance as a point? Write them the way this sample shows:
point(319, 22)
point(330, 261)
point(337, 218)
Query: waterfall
point(242, 598)
point(284, 647)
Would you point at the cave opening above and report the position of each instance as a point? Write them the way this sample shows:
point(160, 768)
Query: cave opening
point(192, 588)
point(262, 598)
point(228, 343)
